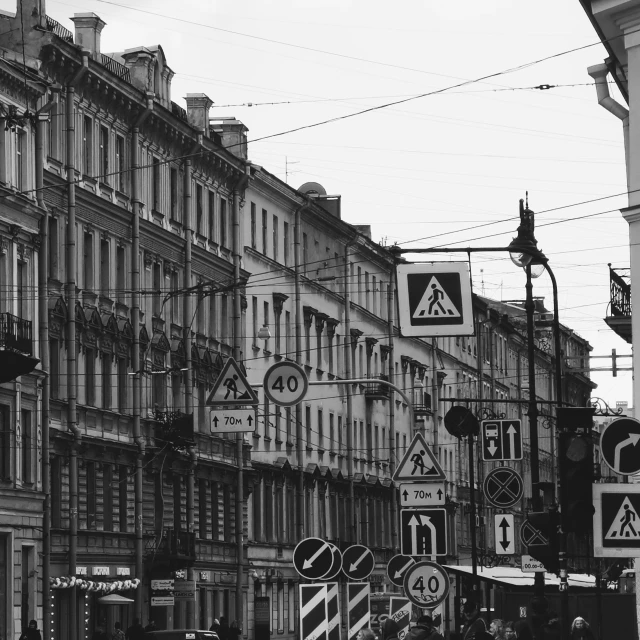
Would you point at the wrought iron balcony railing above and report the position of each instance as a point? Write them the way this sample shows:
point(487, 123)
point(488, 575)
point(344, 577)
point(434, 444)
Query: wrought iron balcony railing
point(15, 334)
point(375, 390)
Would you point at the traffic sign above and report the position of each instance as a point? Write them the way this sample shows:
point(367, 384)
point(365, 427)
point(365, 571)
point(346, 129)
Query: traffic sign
point(286, 383)
point(232, 387)
point(419, 463)
point(620, 445)
point(358, 608)
point(396, 568)
point(400, 613)
point(505, 534)
point(313, 558)
point(333, 610)
point(531, 536)
point(501, 440)
point(423, 532)
point(336, 563)
point(503, 487)
point(531, 565)
point(357, 562)
point(616, 521)
point(422, 494)
point(233, 420)
point(434, 299)
point(426, 584)
point(313, 611)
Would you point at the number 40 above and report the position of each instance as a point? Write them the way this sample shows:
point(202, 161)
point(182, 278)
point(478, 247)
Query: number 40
point(292, 384)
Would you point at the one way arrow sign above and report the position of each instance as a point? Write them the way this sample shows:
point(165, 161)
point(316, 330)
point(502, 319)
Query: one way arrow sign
point(505, 534)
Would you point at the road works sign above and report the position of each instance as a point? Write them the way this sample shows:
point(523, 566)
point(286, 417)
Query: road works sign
point(419, 463)
point(232, 387)
point(501, 440)
point(434, 299)
point(616, 521)
point(620, 446)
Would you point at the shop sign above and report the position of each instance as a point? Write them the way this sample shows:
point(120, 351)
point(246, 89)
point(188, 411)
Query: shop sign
point(162, 601)
point(100, 571)
point(162, 585)
point(184, 589)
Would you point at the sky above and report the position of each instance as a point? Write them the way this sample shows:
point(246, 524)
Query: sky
point(447, 165)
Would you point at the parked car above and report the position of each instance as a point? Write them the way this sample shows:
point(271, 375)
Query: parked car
point(183, 634)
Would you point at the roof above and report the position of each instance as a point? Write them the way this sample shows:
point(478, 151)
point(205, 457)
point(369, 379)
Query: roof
point(515, 577)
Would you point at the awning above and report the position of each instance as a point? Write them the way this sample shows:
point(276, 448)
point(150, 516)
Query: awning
point(517, 578)
point(114, 598)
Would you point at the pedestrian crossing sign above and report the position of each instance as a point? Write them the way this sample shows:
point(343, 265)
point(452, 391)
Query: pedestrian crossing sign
point(232, 387)
point(419, 463)
point(616, 521)
point(434, 299)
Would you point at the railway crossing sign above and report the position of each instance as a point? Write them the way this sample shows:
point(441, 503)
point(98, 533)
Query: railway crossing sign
point(422, 494)
point(419, 463)
point(232, 388)
point(620, 445)
point(505, 534)
point(357, 562)
point(233, 420)
point(397, 567)
point(434, 299)
point(503, 487)
point(501, 440)
point(313, 558)
point(616, 521)
point(285, 383)
point(423, 532)
point(426, 584)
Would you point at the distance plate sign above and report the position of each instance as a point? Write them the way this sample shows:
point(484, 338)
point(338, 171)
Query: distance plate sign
point(426, 584)
point(503, 487)
point(286, 384)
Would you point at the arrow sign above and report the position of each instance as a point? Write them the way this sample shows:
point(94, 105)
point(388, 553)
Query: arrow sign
point(233, 420)
point(423, 532)
point(631, 440)
point(619, 446)
point(307, 564)
point(357, 562)
point(511, 432)
point(505, 534)
point(397, 567)
point(313, 558)
point(354, 565)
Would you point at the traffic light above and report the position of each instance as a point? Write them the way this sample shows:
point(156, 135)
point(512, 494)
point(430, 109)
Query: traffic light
point(575, 459)
point(540, 532)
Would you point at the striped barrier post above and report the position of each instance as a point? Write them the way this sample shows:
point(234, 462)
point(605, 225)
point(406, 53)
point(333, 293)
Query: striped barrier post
point(313, 612)
point(400, 612)
point(333, 611)
point(359, 614)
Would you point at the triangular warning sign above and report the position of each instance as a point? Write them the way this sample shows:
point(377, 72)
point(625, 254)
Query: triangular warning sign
point(231, 387)
point(435, 303)
point(626, 524)
point(419, 463)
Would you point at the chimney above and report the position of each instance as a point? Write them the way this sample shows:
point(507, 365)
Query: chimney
point(233, 134)
point(88, 29)
point(198, 105)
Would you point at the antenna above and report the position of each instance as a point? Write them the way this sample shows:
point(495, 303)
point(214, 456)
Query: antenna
point(286, 168)
point(482, 280)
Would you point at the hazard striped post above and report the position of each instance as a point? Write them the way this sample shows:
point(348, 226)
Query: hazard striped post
point(313, 612)
point(400, 612)
point(359, 613)
point(333, 611)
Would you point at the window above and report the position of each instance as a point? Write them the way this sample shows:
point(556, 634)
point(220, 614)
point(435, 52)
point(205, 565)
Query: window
point(21, 160)
point(53, 248)
point(155, 184)
point(212, 216)
point(121, 177)
point(121, 270)
point(308, 425)
point(305, 253)
point(105, 269)
point(104, 155)
point(107, 497)
point(320, 430)
point(275, 238)
point(123, 385)
point(54, 365)
point(366, 290)
point(288, 333)
point(123, 493)
point(332, 435)
point(286, 244)
point(90, 377)
point(266, 323)
point(56, 491)
point(28, 442)
point(106, 381)
point(289, 421)
point(87, 146)
point(87, 264)
point(223, 222)
point(202, 507)
point(23, 291)
point(264, 231)
point(199, 209)
point(92, 498)
point(173, 193)
point(54, 132)
point(157, 289)
point(254, 319)
point(253, 225)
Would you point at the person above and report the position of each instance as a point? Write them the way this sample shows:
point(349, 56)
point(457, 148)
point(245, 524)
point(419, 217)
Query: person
point(135, 631)
point(366, 634)
point(473, 624)
point(496, 629)
point(31, 632)
point(390, 629)
point(581, 630)
point(215, 626)
point(223, 631)
point(118, 633)
point(235, 631)
point(510, 630)
point(522, 630)
point(425, 629)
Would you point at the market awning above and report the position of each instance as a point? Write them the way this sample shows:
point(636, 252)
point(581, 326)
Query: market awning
point(517, 578)
point(114, 598)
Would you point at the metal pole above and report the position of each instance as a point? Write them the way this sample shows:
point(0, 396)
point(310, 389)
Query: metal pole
point(472, 502)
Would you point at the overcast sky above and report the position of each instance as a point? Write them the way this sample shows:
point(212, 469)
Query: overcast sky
point(431, 169)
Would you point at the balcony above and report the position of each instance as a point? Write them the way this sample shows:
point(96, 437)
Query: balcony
point(375, 391)
point(16, 347)
point(619, 318)
point(175, 548)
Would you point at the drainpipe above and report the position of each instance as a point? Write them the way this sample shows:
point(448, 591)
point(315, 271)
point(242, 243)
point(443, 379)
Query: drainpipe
point(238, 193)
point(297, 241)
point(72, 365)
point(136, 211)
point(392, 417)
point(599, 73)
point(43, 313)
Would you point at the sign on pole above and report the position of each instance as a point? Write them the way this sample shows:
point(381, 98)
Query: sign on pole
point(400, 613)
point(286, 383)
point(501, 440)
point(358, 562)
point(434, 299)
point(358, 608)
point(333, 611)
point(419, 463)
point(232, 387)
point(619, 445)
point(503, 487)
point(396, 568)
point(531, 565)
point(313, 558)
point(233, 420)
point(616, 521)
point(423, 532)
point(505, 534)
point(422, 494)
point(313, 612)
point(426, 584)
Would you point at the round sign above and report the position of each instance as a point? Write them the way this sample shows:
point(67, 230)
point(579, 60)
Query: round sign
point(426, 584)
point(503, 487)
point(620, 446)
point(357, 562)
point(313, 558)
point(460, 422)
point(336, 563)
point(286, 383)
point(396, 568)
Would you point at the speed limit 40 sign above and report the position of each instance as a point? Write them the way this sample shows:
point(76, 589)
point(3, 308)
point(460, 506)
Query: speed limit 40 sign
point(286, 384)
point(426, 584)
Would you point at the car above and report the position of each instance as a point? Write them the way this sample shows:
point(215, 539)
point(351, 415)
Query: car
point(182, 634)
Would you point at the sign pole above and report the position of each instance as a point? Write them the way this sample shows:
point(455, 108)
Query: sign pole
point(472, 502)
